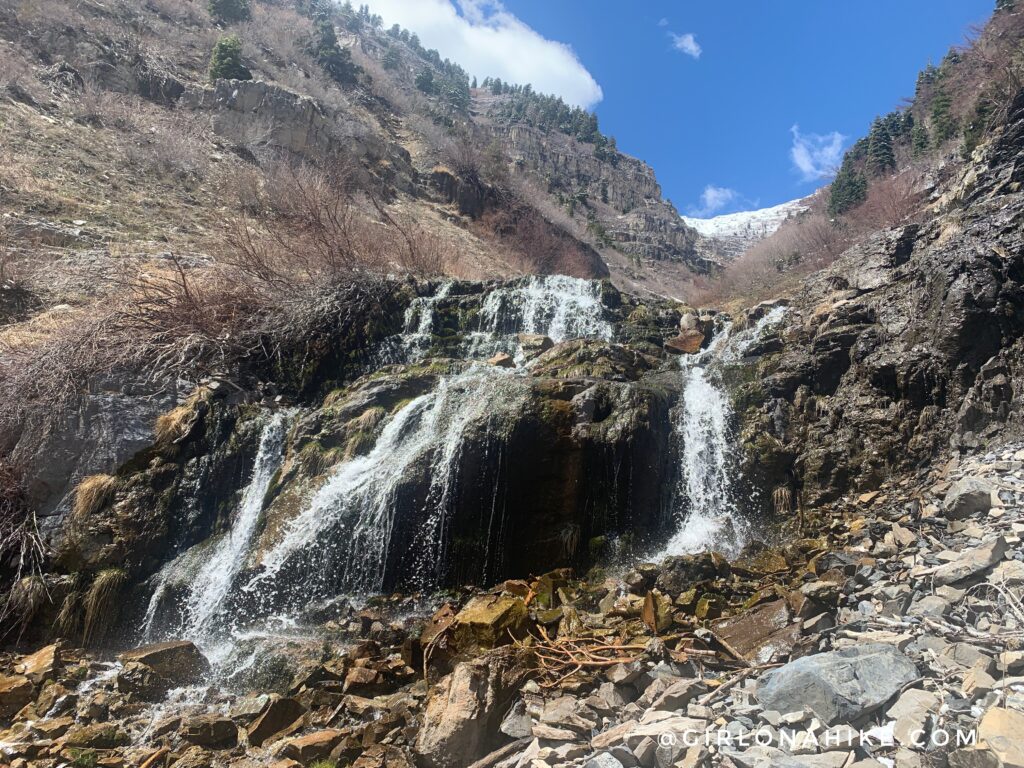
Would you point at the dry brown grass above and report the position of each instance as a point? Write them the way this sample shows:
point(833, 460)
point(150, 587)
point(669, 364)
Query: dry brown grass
point(101, 605)
point(92, 494)
point(170, 427)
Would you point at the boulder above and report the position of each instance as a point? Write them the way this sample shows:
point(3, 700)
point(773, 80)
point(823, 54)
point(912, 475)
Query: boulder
point(502, 360)
point(96, 736)
point(312, 746)
point(971, 562)
point(688, 342)
point(534, 344)
point(465, 709)
point(177, 660)
point(487, 620)
point(278, 718)
point(211, 730)
point(1000, 730)
point(42, 665)
point(15, 692)
point(841, 686)
point(680, 573)
point(764, 635)
point(142, 682)
point(968, 496)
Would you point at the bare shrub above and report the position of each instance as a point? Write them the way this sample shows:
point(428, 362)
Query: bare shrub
point(22, 551)
point(890, 201)
point(311, 229)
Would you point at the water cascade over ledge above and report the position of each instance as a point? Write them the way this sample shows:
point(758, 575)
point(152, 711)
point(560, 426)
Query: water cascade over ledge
point(399, 506)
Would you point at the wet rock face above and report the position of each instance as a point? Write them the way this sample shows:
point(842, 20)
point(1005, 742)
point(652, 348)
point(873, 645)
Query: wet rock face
point(910, 342)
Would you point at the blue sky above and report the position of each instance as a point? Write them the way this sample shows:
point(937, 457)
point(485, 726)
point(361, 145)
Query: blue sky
point(735, 104)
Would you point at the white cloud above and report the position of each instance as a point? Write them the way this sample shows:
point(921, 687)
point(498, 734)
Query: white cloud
point(663, 22)
point(712, 200)
point(488, 41)
point(686, 43)
point(816, 156)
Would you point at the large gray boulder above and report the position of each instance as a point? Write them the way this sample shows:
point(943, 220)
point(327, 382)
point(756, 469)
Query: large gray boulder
point(968, 496)
point(841, 686)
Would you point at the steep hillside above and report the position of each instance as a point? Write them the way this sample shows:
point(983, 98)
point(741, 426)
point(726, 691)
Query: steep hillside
point(128, 146)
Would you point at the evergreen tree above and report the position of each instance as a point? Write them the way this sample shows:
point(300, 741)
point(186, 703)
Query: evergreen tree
point(336, 61)
point(849, 188)
point(919, 141)
point(230, 11)
point(473, 86)
point(226, 60)
point(943, 121)
point(881, 159)
point(392, 59)
point(425, 81)
point(975, 129)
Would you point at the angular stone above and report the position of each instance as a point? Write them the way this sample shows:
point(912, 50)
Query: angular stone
point(15, 692)
point(278, 718)
point(840, 686)
point(966, 497)
point(312, 746)
point(911, 712)
point(971, 562)
point(760, 634)
point(211, 730)
point(42, 665)
point(464, 709)
point(502, 360)
point(177, 660)
point(486, 621)
point(687, 342)
point(96, 736)
point(1001, 730)
point(678, 695)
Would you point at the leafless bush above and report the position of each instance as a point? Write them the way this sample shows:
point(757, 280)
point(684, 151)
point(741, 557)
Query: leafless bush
point(890, 202)
point(536, 244)
point(97, 106)
point(22, 551)
point(179, 11)
point(311, 229)
point(803, 244)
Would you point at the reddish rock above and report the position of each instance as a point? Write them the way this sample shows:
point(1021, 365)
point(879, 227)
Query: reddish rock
point(178, 660)
point(15, 692)
point(278, 718)
point(313, 746)
point(686, 343)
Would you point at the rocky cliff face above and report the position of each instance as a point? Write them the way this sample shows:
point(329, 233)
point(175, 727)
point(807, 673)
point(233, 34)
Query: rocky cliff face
point(621, 191)
point(909, 344)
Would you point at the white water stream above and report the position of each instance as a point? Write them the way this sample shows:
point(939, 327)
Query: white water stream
point(709, 516)
point(343, 538)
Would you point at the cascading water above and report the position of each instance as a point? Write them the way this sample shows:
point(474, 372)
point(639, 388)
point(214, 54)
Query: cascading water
point(209, 584)
point(709, 516)
point(342, 540)
point(556, 306)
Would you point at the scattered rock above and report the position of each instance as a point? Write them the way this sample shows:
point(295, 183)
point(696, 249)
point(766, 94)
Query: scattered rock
point(278, 718)
point(840, 686)
point(178, 660)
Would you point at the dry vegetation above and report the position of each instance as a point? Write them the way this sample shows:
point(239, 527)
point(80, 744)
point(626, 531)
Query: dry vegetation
point(811, 241)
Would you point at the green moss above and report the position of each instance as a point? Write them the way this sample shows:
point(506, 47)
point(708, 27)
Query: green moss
point(82, 758)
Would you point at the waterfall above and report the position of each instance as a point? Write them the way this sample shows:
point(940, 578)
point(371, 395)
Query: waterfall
point(712, 519)
point(556, 306)
point(343, 538)
point(210, 580)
